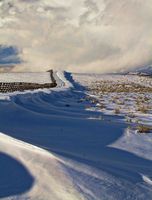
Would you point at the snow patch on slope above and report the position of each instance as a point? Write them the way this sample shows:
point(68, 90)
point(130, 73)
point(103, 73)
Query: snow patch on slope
point(40, 163)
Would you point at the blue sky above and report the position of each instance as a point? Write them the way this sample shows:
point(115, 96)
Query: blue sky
point(81, 36)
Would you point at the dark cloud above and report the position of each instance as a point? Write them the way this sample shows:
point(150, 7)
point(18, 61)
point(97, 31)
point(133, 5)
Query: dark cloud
point(8, 56)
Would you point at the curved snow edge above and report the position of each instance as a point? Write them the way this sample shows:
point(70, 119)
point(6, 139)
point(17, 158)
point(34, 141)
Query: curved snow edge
point(61, 76)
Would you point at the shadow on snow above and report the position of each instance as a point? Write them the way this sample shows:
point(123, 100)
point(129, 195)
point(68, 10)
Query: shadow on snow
point(14, 177)
point(45, 120)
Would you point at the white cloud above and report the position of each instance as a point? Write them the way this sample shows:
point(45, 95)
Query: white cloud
point(82, 35)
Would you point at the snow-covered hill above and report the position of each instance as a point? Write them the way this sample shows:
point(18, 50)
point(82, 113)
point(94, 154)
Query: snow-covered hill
point(146, 70)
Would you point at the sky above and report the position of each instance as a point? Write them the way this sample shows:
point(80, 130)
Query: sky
point(75, 35)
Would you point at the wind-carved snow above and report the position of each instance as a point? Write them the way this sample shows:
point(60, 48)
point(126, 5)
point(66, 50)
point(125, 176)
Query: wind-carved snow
point(72, 149)
point(49, 176)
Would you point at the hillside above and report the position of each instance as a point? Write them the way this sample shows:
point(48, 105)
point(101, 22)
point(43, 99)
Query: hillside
point(146, 70)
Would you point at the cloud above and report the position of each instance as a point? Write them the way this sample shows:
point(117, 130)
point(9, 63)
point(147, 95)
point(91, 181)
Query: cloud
point(9, 58)
point(8, 55)
point(82, 35)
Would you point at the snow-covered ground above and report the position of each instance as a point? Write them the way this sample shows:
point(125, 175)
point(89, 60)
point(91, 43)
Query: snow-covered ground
point(29, 77)
point(87, 79)
point(63, 144)
point(129, 96)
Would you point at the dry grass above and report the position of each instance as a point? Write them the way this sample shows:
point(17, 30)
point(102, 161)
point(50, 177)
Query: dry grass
point(131, 115)
point(117, 111)
point(108, 86)
point(143, 109)
point(144, 129)
point(91, 99)
point(101, 106)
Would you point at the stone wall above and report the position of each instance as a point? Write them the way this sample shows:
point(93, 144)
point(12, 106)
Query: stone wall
point(22, 86)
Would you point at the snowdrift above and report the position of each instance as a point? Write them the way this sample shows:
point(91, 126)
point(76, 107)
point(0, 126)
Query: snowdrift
point(66, 151)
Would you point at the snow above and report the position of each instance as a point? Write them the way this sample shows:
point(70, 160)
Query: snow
point(86, 79)
point(31, 77)
point(41, 163)
point(145, 70)
point(4, 97)
point(70, 148)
